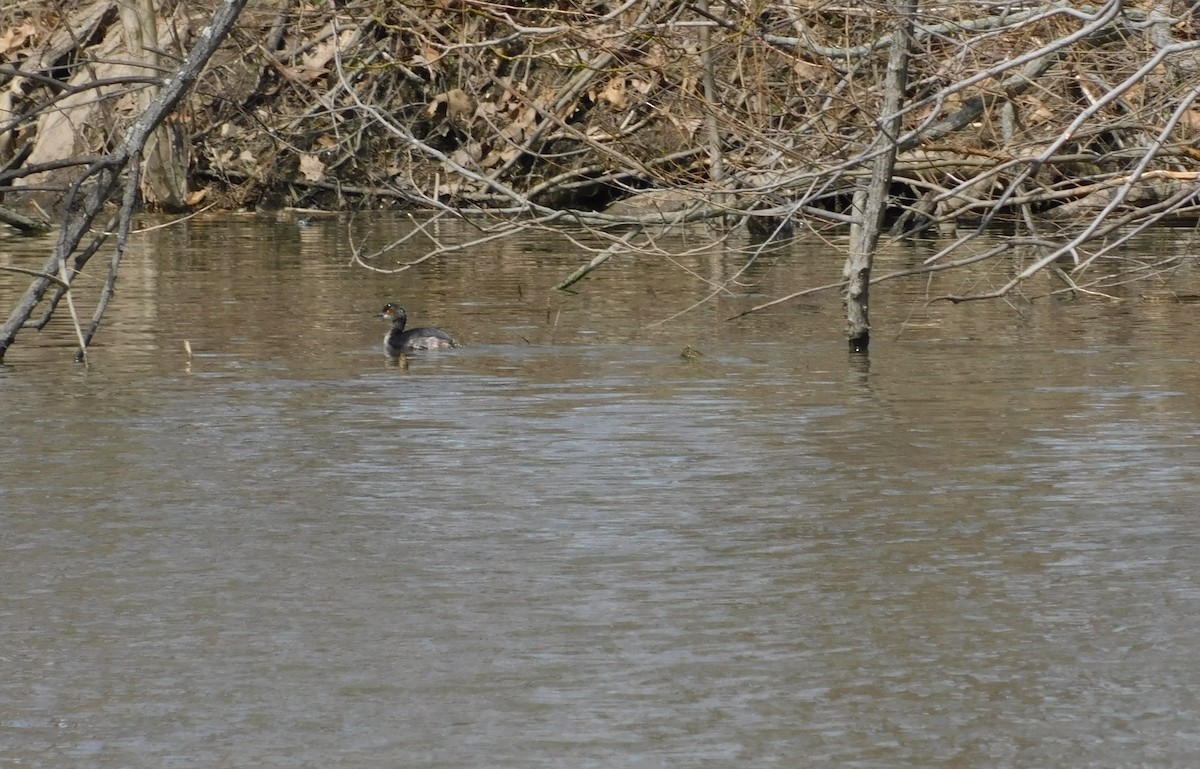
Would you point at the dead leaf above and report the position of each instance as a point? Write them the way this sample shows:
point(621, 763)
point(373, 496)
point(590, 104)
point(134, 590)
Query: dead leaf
point(315, 64)
point(614, 93)
point(127, 104)
point(428, 57)
point(312, 168)
point(499, 156)
point(467, 155)
point(459, 108)
point(806, 72)
point(15, 37)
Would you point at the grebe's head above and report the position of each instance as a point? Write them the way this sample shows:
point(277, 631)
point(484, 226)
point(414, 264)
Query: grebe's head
point(393, 312)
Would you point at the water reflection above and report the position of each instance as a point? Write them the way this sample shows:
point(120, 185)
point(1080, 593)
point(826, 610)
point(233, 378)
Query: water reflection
point(567, 544)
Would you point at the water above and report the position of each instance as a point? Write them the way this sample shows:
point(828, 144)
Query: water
point(565, 545)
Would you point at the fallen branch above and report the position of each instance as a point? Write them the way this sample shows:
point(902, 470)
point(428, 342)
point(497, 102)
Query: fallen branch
point(23, 224)
point(612, 250)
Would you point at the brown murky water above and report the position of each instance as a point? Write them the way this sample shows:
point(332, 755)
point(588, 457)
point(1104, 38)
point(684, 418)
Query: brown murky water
point(565, 545)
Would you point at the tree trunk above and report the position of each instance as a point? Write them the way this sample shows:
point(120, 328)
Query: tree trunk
point(164, 171)
point(870, 199)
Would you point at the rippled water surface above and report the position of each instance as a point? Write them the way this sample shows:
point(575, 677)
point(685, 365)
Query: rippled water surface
point(566, 545)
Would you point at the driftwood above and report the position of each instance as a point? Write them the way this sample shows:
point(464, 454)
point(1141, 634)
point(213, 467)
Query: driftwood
point(24, 224)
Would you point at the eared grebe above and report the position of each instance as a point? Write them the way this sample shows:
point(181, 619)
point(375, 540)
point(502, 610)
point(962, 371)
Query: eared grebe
point(398, 341)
